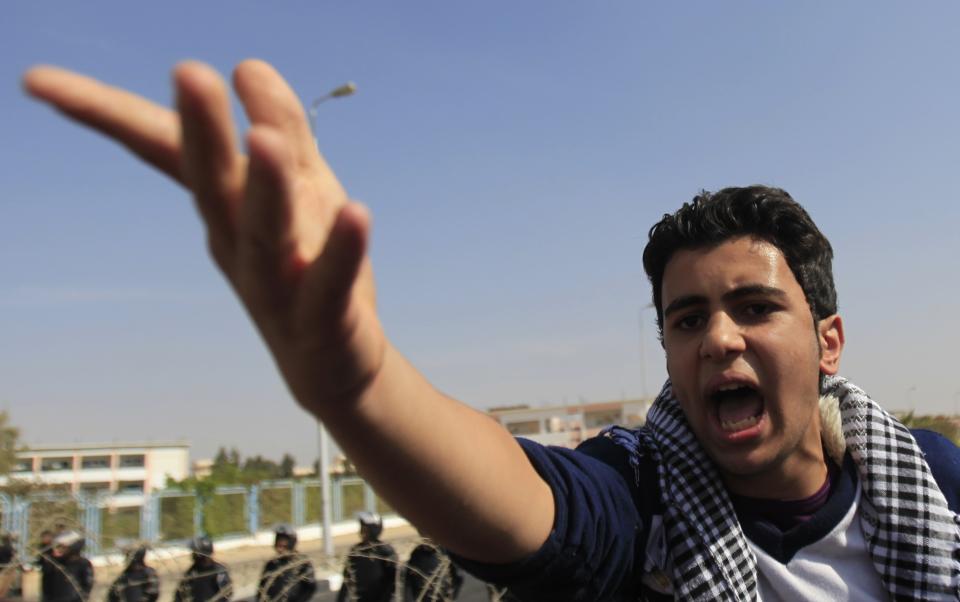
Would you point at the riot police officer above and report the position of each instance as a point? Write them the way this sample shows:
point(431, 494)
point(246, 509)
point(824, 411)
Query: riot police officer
point(67, 575)
point(287, 577)
point(138, 582)
point(371, 566)
point(430, 576)
point(206, 579)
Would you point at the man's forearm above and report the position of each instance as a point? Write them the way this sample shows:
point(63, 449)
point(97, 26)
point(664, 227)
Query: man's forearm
point(453, 471)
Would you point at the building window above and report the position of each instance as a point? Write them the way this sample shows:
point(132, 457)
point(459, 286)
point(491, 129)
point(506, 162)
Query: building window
point(95, 487)
point(131, 461)
point(23, 465)
point(91, 462)
point(527, 427)
point(50, 464)
point(130, 487)
point(557, 424)
point(601, 418)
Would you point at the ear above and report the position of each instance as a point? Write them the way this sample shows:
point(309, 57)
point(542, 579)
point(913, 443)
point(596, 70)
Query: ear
point(830, 331)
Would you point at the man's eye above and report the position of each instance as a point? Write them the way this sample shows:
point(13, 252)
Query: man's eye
point(757, 310)
point(690, 322)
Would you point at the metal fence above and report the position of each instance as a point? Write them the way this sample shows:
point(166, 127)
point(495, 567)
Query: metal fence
point(173, 516)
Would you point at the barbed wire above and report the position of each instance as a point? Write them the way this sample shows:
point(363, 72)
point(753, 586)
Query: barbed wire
point(247, 572)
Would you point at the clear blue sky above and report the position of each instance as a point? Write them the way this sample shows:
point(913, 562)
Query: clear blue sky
point(514, 156)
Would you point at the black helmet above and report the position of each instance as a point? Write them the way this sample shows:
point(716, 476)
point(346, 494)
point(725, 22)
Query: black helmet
point(201, 546)
point(71, 540)
point(285, 532)
point(137, 555)
point(370, 523)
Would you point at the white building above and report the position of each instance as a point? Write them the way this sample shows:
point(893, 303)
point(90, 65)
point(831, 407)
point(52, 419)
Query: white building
point(568, 425)
point(126, 470)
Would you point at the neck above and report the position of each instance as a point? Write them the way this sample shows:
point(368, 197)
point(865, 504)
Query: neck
point(792, 483)
point(797, 476)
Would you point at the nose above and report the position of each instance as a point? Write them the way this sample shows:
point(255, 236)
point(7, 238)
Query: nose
point(721, 337)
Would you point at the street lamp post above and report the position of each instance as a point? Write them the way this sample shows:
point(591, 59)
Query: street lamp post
point(643, 355)
point(345, 90)
point(324, 468)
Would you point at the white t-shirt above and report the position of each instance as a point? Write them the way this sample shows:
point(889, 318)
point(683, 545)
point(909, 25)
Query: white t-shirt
point(836, 567)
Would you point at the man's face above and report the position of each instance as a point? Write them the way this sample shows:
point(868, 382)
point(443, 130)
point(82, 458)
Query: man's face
point(282, 546)
point(743, 357)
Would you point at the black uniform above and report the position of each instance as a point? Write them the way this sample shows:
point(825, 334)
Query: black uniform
point(287, 578)
point(66, 579)
point(369, 573)
point(7, 553)
point(429, 576)
point(44, 562)
point(137, 583)
point(204, 583)
point(9, 569)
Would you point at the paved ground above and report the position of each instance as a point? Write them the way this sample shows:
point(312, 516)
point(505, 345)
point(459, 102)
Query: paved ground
point(473, 590)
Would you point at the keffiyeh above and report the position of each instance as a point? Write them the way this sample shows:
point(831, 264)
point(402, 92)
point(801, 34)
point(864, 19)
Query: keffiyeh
point(912, 535)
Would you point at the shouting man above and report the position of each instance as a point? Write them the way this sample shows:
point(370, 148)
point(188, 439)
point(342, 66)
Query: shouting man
point(760, 472)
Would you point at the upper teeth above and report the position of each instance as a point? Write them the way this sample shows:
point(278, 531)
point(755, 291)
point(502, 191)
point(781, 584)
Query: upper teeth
point(730, 387)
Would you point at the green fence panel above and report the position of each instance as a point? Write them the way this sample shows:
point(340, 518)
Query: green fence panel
point(276, 506)
point(225, 514)
point(383, 507)
point(176, 517)
point(313, 511)
point(351, 499)
point(119, 524)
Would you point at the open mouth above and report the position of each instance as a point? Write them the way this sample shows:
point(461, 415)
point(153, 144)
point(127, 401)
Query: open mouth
point(738, 406)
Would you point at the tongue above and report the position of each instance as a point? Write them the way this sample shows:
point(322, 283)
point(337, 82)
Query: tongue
point(734, 408)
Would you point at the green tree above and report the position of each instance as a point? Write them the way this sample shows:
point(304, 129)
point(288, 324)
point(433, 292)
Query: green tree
point(286, 467)
point(221, 458)
point(258, 468)
point(9, 444)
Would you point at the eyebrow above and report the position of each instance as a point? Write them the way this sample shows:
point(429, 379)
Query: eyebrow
point(749, 290)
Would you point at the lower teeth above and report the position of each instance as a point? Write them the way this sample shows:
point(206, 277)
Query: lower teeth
point(740, 424)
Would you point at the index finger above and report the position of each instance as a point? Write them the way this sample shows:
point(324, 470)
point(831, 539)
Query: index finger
point(151, 131)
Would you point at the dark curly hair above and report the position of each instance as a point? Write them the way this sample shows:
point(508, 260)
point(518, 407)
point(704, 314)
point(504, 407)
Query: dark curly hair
point(766, 213)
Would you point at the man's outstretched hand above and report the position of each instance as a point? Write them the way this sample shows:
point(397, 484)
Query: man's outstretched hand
point(294, 248)
point(279, 224)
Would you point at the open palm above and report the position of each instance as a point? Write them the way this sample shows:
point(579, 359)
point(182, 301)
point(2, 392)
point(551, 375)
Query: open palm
point(279, 224)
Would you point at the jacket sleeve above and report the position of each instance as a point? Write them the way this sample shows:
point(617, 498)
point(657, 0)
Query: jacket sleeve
point(592, 550)
point(391, 561)
point(262, 586)
point(151, 589)
point(86, 579)
point(943, 458)
point(306, 581)
point(224, 584)
point(113, 594)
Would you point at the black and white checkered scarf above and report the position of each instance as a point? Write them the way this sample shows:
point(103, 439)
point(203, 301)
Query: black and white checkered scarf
point(913, 537)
